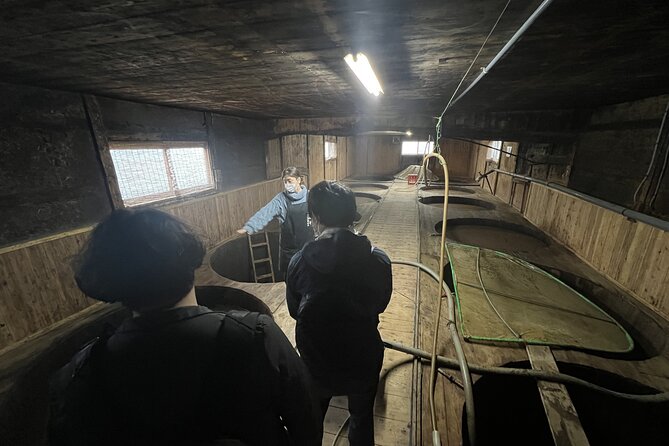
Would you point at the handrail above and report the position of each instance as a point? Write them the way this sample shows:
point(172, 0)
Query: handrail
point(627, 212)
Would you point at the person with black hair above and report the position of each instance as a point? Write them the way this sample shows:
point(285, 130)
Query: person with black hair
point(336, 288)
point(290, 208)
point(175, 373)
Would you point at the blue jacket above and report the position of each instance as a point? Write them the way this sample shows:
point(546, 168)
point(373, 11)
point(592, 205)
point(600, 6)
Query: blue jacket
point(336, 287)
point(276, 208)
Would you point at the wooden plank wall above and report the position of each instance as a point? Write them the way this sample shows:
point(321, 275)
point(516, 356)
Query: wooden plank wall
point(632, 254)
point(384, 157)
point(351, 150)
point(331, 165)
point(316, 159)
point(294, 151)
point(37, 288)
point(503, 182)
point(342, 154)
point(461, 156)
point(359, 159)
point(273, 159)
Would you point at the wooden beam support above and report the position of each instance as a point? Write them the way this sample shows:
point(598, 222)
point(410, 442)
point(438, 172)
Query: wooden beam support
point(99, 133)
point(562, 417)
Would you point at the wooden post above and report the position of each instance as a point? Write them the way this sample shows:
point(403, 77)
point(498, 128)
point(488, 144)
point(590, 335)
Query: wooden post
point(562, 417)
point(99, 133)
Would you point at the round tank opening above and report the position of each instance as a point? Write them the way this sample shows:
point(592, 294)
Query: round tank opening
point(457, 203)
point(233, 259)
point(374, 178)
point(451, 190)
point(509, 411)
point(494, 234)
point(369, 186)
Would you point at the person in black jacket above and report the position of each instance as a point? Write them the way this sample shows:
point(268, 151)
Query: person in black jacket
point(336, 288)
point(175, 373)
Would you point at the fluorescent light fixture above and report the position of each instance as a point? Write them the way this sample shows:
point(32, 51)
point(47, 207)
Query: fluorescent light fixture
point(361, 67)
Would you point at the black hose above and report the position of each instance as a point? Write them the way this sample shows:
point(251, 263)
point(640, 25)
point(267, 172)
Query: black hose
point(561, 378)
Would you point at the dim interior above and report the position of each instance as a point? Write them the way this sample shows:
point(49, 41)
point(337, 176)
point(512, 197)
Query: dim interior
point(554, 141)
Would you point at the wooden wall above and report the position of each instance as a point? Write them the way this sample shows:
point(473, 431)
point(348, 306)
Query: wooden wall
point(375, 155)
point(294, 151)
point(632, 254)
point(38, 290)
point(342, 157)
point(331, 165)
point(273, 159)
point(308, 151)
point(461, 156)
point(316, 151)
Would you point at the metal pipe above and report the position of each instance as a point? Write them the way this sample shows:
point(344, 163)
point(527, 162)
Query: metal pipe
point(540, 9)
point(561, 378)
point(459, 352)
point(627, 212)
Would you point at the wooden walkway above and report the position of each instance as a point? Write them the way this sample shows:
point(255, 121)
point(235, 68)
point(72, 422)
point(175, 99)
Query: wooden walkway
point(393, 227)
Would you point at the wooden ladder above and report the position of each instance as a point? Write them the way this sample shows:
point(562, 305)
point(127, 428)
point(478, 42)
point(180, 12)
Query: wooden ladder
point(257, 245)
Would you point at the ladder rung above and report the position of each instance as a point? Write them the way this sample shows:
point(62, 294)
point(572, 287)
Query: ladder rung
point(259, 244)
point(264, 276)
point(262, 260)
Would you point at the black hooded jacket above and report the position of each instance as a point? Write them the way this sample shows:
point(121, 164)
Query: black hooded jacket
point(336, 288)
point(187, 376)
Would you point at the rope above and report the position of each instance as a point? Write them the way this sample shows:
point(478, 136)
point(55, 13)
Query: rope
point(478, 273)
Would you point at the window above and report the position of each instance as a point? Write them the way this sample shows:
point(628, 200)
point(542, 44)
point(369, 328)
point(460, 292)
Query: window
point(493, 155)
point(417, 147)
point(330, 150)
point(154, 171)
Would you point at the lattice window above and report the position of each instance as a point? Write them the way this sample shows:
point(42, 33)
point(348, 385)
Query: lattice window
point(154, 171)
point(413, 148)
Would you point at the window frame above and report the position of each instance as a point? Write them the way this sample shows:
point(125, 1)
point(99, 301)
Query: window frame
point(172, 194)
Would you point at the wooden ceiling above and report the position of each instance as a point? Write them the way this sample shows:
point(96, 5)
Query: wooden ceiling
point(269, 59)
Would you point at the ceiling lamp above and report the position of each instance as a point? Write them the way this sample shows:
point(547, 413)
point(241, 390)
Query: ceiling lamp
point(361, 67)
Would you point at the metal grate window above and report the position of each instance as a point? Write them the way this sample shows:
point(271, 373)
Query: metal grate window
point(154, 171)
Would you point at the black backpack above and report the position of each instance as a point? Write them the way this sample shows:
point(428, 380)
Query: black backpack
point(75, 413)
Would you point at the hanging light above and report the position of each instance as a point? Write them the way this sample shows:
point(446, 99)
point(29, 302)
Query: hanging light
point(363, 70)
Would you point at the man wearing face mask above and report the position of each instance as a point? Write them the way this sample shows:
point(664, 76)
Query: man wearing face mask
point(290, 208)
point(336, 287)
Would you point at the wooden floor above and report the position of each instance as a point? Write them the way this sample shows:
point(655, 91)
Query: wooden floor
point(392, 225)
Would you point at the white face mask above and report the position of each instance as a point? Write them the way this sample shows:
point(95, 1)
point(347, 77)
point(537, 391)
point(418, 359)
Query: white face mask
point(290, 188)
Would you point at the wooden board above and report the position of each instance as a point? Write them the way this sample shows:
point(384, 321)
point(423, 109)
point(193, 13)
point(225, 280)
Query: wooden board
point(359, 161)
point(563, 420)
point(632, 254)
point(294, 151)
point(461, 157)
point(384, 157)
point(316, 160)
point(38, 287)
point(350, 155)
point(342, 154)
point(331, 165)
point(273, 165)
